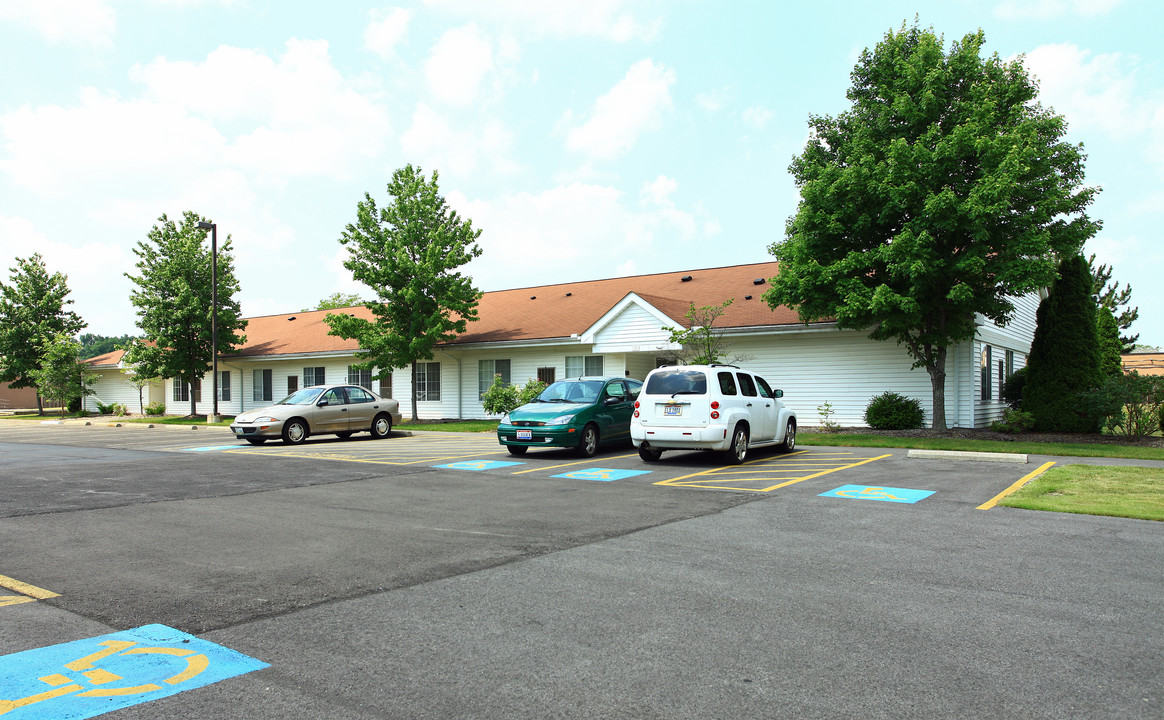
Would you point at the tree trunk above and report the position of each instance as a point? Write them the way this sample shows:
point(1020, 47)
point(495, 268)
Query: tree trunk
point(937, 372)
point(414, 418)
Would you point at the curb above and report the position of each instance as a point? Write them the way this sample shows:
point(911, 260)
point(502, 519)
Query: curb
point(964, 455)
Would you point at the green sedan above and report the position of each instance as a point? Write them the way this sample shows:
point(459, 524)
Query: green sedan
point(581, 413)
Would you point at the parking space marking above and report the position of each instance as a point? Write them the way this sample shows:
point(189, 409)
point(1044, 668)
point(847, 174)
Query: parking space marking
point(882, 494)
point(571, 464)
point(391, 451)
point(789, 469)
point(85, 678)
point(478, 465)
point(1016, 485)
point(603, 474)
point(27, 593)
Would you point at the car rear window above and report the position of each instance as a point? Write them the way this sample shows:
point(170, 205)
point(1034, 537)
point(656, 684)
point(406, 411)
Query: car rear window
point(677, 382)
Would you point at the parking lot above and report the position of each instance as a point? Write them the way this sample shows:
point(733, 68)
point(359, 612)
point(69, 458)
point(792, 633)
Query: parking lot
point(434, 575)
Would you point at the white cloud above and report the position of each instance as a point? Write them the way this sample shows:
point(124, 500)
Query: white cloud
point(433, 142)
point(387, 29)
point(458, 63)
point(610, 19)
point(714, 100)
point(1050, 9)
point(757, 117)
point(635, 105)
point(80, 22)
point(575, 232)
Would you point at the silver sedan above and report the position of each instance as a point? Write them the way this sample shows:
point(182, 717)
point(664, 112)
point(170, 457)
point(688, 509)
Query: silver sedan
point(324, 409)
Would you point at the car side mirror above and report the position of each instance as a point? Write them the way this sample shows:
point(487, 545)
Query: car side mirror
point(323, 403)
point(778, 393)
point(613, 400)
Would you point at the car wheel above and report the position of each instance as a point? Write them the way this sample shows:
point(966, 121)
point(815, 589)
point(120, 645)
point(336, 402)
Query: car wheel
point(256, 441)
point(648, 453)
point(789, 443)
point(588, 444)
point(735, 454)
point(295, 431)
point(516, 449)
point(381, 426)
point(344, 435)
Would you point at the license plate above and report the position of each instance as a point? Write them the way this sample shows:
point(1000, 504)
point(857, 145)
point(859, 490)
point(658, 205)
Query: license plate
point(525, 434)
point(672, 409)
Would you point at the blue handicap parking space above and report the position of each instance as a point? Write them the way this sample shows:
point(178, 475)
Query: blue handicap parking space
point(884, 494)
point(211, 448)
point(86, 678)
point(478, 465)
point(603, 474)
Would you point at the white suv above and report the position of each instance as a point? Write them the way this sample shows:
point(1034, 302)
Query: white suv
point(709, 407)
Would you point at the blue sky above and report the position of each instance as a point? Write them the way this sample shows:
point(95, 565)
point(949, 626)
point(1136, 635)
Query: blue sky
point(588, 139)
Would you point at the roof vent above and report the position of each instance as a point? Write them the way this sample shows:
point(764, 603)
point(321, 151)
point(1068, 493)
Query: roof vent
point(569, 294)
point(533, 297)
point(685, 278)
point(290, 318)
point(758, 281)
point(747, 297)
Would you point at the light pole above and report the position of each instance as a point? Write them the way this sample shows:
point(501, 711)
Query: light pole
point(213, 228)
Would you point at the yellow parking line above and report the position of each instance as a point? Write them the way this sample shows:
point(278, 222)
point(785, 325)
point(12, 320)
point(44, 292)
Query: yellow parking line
point(1018, 484)
point(757, 471)
point(26, 589)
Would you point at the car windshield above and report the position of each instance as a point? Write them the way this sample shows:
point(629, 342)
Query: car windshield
point(571, 391)
point(677, 382)
point(306, 396)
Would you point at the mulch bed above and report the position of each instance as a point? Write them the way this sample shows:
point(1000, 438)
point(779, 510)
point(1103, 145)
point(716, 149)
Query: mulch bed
point(985, 434)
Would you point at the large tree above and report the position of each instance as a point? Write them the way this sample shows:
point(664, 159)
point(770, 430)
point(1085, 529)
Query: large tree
point(940, 195)
point(1117, 299)
point(173, 301)
point(33, 312)
point(408, 253)
point(63, 376)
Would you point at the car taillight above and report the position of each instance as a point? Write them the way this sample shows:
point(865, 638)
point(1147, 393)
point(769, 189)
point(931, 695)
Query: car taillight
point(714, 415)
point(636, 404)
point(715, 405)
point(636, 413)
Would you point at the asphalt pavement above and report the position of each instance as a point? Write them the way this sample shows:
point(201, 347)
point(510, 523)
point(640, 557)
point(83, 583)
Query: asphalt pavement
point(435, 576)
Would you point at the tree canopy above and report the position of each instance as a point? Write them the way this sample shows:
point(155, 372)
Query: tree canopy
point(944, 192)
point(173, 303)
point(1117, 299)
point(408, 253)
point(336, 301)
point(33, 312)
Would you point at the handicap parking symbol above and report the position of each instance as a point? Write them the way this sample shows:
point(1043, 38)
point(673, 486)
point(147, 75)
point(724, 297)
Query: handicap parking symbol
point(602, 474)
point(86, 678)
point(884, 494)
point(478, 465)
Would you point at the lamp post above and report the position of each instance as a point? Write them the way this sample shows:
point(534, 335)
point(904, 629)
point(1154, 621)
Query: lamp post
point(213, 228)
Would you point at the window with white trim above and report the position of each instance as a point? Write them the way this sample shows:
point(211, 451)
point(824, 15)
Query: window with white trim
point(486, 370)
point(224, 385)
point(583, 365)
point(262, 384)
point(314, 376)
point(360, 376)
point(428, 381)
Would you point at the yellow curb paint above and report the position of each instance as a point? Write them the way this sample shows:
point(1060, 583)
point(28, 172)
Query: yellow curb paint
point(26, 589)
point(1018, 484)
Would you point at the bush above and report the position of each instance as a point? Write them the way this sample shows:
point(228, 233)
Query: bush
point(827, 424)
point(1127, 405)
point(501, 397)
point(1013, 421)
point(155, 408)
point(119, 409)
point(1012, 388)
point(890, 411)
point(104, 409)
point(74, 405)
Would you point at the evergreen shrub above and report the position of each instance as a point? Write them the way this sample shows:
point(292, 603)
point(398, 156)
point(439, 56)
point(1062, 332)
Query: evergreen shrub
point(891, 411)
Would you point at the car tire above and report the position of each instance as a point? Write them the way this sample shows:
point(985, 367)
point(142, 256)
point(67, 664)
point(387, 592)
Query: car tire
point(516, 449)
point(256, 441)
point(737, 452)
point(588, 443)
point(295, 431)
point(789, 443)
point(381, 426)
point(344, 435)
point(649, 454)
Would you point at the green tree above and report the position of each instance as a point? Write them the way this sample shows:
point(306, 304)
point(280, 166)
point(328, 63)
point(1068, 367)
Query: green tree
point(94, 345)
point(33, 311)
point(173, 302)
point(702, 342)
point(1064, 359)
point(1110, 346)
point(940, 195)
point(63, 376)
point(1116, 299)
point(335, 301)
point(408, 253)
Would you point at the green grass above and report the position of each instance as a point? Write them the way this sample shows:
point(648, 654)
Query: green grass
point(1116, 450)
point(1128, 492)
point(479, 426)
